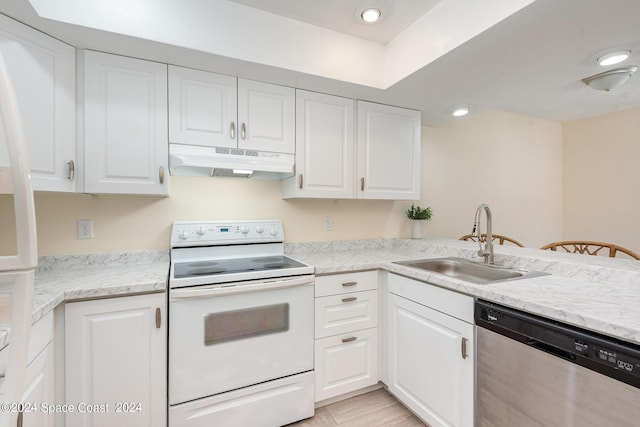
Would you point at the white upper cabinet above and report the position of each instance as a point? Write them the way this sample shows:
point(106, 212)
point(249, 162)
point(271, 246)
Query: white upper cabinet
point(266, 115)
point(125, 125)
point(42, 70)
point(215, 110)
point(202, 108)
point(388, 152)
point(324, 147)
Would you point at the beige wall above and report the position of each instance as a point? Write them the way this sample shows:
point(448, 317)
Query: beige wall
point(602, 179)
point(511, 162)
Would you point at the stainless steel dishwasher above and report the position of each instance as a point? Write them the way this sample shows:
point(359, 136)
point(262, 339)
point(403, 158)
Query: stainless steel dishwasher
point(533, 371)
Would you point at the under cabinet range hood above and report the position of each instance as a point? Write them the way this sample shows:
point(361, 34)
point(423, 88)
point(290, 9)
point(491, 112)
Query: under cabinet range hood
point(222, 161)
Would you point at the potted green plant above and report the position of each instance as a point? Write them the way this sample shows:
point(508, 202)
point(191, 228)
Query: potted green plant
point(417, 214)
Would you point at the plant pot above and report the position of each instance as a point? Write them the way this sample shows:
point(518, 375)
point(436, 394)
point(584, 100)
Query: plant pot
point(416, 228)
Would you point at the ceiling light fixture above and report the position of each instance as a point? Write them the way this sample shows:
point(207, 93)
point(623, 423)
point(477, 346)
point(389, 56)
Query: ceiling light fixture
point(460, 111)
point(370, 15)
point(614, 57)
point(610, 79)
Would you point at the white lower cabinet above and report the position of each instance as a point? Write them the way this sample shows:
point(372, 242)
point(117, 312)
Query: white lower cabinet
point(431, 354)
point(38, 389)
point(346, 345)
point(115, 361)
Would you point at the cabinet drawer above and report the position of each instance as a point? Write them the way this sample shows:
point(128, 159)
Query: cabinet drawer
point(337, 314)
point(346, 363)
point(346, 283)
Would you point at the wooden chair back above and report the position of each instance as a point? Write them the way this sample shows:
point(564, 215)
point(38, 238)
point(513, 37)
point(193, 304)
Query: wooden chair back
point(494, 237)
point(589, 248)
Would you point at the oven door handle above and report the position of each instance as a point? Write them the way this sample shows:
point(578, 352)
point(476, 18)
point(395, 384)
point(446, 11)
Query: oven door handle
point(237, 288)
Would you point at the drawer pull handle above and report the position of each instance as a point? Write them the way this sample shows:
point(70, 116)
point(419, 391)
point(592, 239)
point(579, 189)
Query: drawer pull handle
point(349, 299)
point(349, 283)
point(161, 174)
point(300, 181)
point(349, 339)
point(362, 184)
point(464, 348)
point(232, 132)
point(158, 317)
point(243, 131)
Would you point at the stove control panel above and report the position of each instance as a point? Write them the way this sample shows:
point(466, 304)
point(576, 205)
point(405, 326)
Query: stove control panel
point(213, 233)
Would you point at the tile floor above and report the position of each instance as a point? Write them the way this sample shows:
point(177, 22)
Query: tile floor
point(374, 409)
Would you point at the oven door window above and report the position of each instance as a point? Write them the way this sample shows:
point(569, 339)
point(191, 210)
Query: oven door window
point(245, 323)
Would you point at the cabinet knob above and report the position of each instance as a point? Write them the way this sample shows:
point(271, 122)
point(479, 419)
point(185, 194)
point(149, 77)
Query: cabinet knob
point(161, 174)
point(71, 174)
point(243, 131)
point(232, 132)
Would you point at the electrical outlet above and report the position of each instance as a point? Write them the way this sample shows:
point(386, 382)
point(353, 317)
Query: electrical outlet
point(85, 229)
point(328, 223)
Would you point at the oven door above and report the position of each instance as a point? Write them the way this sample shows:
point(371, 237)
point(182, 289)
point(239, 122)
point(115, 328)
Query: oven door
point(225, 338)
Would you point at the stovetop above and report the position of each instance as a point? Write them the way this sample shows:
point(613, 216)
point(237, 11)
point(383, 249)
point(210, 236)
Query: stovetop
point(219, 252)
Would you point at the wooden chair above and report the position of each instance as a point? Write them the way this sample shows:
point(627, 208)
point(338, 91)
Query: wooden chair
point(589, 248)
point(499, 237)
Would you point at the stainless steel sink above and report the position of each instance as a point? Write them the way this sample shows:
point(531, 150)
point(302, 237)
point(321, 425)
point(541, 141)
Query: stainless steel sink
point(470, 271)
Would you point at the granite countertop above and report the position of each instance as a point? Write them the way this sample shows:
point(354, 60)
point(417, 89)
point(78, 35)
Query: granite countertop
point(595, 293)
point(67, 278)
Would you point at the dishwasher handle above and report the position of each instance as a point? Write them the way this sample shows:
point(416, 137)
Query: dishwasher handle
point(563, 354)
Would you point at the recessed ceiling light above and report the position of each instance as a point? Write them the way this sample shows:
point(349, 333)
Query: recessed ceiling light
point(370, 15)
point(614, 57)
point(460, 111)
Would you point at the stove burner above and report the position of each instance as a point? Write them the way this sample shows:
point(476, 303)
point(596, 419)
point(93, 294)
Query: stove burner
point(267, 259)
point(202, 264)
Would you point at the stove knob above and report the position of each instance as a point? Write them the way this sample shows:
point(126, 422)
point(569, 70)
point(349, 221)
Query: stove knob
point(259, 229)
point(201, 230)
point(244, 229)
point(184, 234)
point(273, 232)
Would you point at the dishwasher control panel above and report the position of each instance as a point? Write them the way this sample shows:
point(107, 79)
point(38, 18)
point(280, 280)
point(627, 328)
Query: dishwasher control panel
point(609, 356)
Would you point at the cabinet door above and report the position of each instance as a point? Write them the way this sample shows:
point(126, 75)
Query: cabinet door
point(324, 147)
point(266, 117)
point(42, 71)
point(202, 108)
point(430, 356)
point(388, 150)
point(346, 362)
point(115, 352)
point(39, 389)
point(125, 128)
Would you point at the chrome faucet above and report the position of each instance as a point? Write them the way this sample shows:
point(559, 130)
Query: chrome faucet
point(487, 252)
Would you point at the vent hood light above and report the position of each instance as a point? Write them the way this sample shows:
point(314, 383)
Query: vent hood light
point(370, 15)
point(614, 57)
point(245, 172)
point(460, 111)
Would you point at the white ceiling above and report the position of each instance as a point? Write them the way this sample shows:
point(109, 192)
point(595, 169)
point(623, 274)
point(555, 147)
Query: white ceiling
point(343, 15)
point(529, 63)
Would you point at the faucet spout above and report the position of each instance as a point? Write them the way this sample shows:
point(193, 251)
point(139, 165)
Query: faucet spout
point(487, 251)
